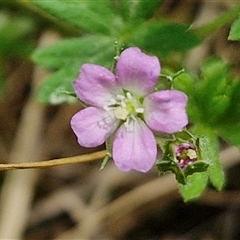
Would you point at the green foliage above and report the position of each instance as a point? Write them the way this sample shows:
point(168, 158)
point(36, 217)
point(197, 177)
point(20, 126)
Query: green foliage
point(194, 187)
point(65, 53)
point(13, 40)
point(67, 56)
point(54, 89)
point(209, 149)
point(235, 31)
point(185, 82)
point(137, 9)
point(163, 38)
point(214, 99)
point(229, 126)
point(13, 33)
point(89, 16)
point(210, 98)
point(198, 166)
point(208, 146)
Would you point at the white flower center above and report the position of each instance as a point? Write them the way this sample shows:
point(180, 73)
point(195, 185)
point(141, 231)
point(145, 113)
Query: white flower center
point(125, 106)
point(121, 113)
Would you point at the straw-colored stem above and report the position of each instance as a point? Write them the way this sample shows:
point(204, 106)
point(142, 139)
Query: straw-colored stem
point(55, 162)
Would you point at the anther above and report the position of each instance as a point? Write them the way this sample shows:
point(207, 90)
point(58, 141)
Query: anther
point(129, 95)
point(112, 101)
point(120, 97)
point(123, 104)
point(139, 110)
point(121, 113)
point(191, 154)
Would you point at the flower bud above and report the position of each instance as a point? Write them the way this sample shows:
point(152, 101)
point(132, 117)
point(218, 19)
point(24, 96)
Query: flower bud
point(185, 154)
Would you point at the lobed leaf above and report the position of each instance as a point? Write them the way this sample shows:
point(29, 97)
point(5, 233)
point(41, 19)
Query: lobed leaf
point(137, 9)
point(53, 89)
point(91, 49)
point(194, 187)
point(208, 146)
point(235, 31)
point(91, 16)
point(209, 101)
point(163, 38)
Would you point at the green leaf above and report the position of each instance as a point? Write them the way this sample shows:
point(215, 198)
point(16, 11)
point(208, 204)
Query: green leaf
point(166, 165)
point(235, 31)
point(215, 101)
point(163, 38)
point(134, 9)
point(194, 187)
point(233, 112)
point(208, 146)
point(91, 49)
point(53, 89)
point(184, 82)
point(67, 56)
point(198, 166)
point(13, 33)
point(229, 125)
point(91, 16)
point(230, 132)
point(210, 99)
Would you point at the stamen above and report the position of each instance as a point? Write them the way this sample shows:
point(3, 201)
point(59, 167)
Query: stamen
point(121, 113)
point(129, 127)
point(191, 154)
point(120, 97)
point(129, 95)
point(124, 107)
point(123, 104)
point(106, 108)
point(139, 110)
point(112, 101)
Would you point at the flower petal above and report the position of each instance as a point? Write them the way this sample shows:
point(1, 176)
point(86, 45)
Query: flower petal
point(137, 72)
point(134, 147)
point(165, 111)
point(95, 85)
point(93, 126)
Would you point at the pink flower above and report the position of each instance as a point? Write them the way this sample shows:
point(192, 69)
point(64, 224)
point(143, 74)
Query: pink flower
point(124, 105)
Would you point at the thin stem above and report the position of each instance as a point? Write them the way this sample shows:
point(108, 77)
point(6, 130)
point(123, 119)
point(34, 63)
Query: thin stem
point(55, 162)
point(222, 20)
point(172, 77)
